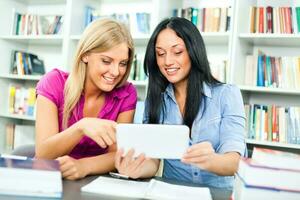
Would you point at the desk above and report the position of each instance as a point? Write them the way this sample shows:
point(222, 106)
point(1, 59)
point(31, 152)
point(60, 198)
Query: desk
point(217, 194)
point(71, 191)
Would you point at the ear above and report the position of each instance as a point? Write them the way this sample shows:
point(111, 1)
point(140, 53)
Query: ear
point(85, 59)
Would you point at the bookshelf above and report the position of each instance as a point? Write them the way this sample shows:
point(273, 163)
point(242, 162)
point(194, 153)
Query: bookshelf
point(57, 50)
point(273, 44)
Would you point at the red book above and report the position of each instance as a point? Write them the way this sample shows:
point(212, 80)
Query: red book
point(288, 20)
point(269, 19)
point(261, 20)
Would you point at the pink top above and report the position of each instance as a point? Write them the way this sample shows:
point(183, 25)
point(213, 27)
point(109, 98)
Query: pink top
point(117, 101)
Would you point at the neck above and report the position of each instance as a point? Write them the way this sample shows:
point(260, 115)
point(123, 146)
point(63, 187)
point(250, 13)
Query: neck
point(180, 89)
point(91, 90)
point(180, 95)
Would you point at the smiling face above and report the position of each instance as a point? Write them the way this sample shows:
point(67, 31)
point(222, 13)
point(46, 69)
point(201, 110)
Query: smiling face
point(172, 57)
point(106, 69)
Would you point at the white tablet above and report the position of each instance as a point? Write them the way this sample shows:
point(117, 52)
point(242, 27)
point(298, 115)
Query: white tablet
point(154, 140)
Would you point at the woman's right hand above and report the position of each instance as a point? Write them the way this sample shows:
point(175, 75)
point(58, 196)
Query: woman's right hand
point(128, 165)
point(102, 131)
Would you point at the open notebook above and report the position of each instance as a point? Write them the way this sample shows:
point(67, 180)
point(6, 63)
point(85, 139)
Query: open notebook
point(153, 189)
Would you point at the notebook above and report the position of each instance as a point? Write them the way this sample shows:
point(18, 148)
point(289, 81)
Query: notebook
point(21, 176)
point(153, 189)
point(154, 140)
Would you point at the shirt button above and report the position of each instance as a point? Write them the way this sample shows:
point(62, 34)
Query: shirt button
point(196, 173)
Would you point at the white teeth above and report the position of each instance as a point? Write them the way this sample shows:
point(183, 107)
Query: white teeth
point(171, 69)
point(109, 79)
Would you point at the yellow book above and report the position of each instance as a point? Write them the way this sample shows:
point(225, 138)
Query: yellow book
point(11, 100)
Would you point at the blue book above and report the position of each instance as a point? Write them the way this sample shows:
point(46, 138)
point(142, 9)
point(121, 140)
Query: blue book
point(260, 71)
point(21, 176)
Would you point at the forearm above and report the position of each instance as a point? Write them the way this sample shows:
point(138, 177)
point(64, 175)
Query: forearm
point(150, 168)
point(99, 164)
point(224, 164)
point(59, 144)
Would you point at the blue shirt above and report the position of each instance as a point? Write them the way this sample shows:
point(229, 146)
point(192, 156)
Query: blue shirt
point(220, 121)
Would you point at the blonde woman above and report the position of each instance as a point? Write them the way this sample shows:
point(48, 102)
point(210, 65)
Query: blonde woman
point(77, 112)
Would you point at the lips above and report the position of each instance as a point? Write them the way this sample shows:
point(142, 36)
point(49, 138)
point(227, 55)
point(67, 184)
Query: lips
point(109, 80)
point(172, 70)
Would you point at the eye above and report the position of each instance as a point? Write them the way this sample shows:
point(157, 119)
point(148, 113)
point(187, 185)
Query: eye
point(123, 64)
point(160, 53)
point(178, 52)
point(106, 62)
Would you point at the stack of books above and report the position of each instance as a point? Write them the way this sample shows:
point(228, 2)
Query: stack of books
point(21, 176)
point(269, 174)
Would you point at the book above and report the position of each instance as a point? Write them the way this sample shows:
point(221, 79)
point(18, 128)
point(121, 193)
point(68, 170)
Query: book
point(276, 159)
point(153, 189)
point(242, 191)
point(21, 176)
point(259, 175)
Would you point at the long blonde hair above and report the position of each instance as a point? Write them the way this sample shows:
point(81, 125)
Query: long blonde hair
point(99, 36)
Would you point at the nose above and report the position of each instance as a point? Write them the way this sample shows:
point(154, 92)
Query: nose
point(169, 60)
point(114, 70)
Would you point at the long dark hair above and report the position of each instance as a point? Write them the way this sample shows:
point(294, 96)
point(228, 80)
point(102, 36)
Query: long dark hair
point(200, 70)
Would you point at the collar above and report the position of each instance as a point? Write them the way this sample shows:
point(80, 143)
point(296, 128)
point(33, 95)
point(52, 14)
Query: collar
point(120, 92)
point(206, 91)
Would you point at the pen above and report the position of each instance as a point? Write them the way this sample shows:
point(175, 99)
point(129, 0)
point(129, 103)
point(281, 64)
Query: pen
point(119, 176)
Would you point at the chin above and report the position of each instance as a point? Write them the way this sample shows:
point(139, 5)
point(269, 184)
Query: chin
point(106, 88)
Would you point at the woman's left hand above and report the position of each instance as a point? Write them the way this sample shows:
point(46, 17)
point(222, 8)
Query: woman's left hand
point(71, 168)
point(200, 154)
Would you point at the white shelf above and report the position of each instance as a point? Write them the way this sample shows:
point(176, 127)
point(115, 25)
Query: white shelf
point(273, 144)
point(35, 39)
point(42, 1)
point(15, 116)
point(215, 38)
point(22, 77)
point(271, 39)
point(141, 40)
point(209, 38)
point(269, 90)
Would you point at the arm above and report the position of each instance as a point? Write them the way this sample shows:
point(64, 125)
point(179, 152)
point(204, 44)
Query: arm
point(73, 169)
point(108, 159)
point(225, 159)
point(49, 144)
point(203, 156)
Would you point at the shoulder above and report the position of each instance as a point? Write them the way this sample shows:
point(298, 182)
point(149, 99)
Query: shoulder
point(52, 85)
point(55, 76)
point(229, 97)
point(225, 90)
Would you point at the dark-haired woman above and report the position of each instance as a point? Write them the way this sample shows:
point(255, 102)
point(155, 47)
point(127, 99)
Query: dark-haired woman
point(182, 90)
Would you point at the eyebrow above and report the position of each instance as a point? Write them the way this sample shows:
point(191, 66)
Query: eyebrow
point(175, 45)
point(125, 59)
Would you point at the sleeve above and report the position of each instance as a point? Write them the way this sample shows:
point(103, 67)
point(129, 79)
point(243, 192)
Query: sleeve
point(131, 100)
point(232, 129)
point(51, 86)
